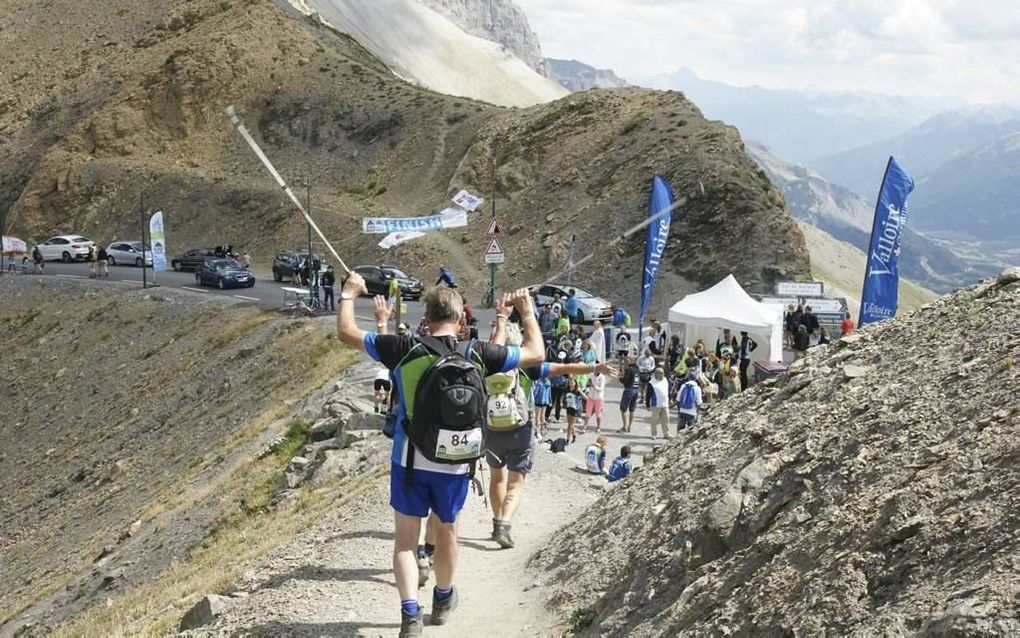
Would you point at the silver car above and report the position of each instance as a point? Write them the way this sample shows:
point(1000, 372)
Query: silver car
point(127, 253)
point(590, 307)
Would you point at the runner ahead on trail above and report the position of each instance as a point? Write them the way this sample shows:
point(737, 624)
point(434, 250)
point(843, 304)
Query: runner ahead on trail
point(510, 437)
point(440, 414)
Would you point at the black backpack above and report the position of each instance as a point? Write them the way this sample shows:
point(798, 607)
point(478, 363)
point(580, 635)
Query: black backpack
point(449, 407)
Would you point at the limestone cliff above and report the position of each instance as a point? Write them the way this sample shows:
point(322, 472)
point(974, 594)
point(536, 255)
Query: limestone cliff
point(498, 20)
point(577, 76)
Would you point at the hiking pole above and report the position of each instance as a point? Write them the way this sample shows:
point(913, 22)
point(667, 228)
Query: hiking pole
point(232, 114)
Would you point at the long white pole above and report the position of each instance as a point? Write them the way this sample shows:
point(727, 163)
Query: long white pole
point(232, 114)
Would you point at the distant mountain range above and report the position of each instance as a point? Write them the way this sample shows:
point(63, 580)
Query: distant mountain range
point(578, 76)
point(848, 217)
point(803, 126)
point(921, 149)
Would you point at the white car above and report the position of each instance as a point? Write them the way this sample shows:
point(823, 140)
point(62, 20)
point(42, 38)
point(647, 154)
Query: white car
point(65, 247)
point(128, 253)
point(590, 307)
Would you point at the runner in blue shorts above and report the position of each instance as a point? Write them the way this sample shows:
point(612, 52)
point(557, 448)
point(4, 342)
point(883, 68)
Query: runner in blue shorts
point(434, 488)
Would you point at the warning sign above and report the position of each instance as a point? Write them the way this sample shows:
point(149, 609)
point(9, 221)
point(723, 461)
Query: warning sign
point(494, 252)
point(495, 230)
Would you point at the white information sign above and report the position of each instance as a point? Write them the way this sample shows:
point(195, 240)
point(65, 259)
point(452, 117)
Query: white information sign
point(800, 289)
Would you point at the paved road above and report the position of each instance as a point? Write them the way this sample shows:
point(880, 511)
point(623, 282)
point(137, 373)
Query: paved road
point(266, 293)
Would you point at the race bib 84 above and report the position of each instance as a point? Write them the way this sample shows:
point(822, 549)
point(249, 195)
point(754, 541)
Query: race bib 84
point(459, 445)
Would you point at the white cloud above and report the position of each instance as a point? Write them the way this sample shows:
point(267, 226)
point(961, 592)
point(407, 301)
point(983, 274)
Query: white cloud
point(959, 48)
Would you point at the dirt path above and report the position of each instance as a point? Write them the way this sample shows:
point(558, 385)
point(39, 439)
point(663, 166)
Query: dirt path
point(336, 579)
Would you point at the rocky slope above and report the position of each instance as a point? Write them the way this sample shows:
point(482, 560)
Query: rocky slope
point(874, 489)
point(132, 419)
point(143, 115)
point(578, 76)
point(501, 21)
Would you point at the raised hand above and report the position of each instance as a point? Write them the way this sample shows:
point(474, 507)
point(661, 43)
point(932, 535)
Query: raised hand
point(381, 309)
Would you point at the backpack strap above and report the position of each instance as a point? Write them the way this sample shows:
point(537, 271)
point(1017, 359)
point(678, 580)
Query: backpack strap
point(435, 345)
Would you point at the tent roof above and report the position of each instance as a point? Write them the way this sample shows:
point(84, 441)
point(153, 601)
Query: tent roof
point(724, 305)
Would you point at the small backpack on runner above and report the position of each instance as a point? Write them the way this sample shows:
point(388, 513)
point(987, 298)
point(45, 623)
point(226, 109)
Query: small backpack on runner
point(449, 408)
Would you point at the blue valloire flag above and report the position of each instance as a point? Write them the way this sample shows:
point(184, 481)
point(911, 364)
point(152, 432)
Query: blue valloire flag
point(881, 275)
point(658, 235)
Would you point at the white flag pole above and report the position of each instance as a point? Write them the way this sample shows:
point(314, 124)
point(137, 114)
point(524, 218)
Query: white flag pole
point(232, 114)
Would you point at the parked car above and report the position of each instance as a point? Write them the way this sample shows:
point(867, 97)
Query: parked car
point(590, 307)
point(66, 247)
point(377, 280)
point(224, 273)
point(127, 253)
point(282, 268)
point(192, 259)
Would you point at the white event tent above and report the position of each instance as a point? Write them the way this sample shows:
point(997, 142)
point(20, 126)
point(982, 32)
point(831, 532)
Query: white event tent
point(726, 305)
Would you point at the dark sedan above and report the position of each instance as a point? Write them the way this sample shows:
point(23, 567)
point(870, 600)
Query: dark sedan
point(377, 280)
point(224, 273)
point(192, 260)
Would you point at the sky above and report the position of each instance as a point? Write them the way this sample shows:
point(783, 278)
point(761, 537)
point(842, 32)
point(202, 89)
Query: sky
point(968, 49)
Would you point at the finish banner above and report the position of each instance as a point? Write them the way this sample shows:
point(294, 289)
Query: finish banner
point(449, 218)
point(882, 278)
point(157, 242)
point(658, 234)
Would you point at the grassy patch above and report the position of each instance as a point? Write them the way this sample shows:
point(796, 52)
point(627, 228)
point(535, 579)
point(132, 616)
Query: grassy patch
point(635, 121)
point(156, 607)
point(227, 337)
point(1006, 364)
point(579, 619)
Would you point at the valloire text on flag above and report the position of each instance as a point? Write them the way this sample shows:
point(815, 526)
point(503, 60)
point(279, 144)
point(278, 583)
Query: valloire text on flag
point(658, 235)
point(882, 277)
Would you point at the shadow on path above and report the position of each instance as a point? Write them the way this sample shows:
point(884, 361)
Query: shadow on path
point(278, 629)
point(315, 572)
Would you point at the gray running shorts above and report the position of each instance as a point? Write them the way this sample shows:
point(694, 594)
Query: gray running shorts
point(512, 449)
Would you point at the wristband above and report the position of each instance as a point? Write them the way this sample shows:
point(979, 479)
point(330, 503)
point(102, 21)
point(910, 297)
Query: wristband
point(503, 317)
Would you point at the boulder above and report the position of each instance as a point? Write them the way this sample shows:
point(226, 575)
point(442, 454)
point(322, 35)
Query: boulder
point(204, 612)
point(325, 428)
point(365, 421)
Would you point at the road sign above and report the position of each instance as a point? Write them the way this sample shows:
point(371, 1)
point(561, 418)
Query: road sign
point(495, 230)
point(494, 252)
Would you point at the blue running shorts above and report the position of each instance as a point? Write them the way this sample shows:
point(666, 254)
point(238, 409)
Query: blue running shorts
point(443, 494)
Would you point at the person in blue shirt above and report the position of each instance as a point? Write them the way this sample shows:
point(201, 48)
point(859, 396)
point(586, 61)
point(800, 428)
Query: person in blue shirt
point(621, 466)
point(446, 277)
point(620, 317)
point(573, 306)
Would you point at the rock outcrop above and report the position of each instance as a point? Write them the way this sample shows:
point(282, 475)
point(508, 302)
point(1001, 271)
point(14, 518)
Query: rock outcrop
point(873, 489)
point(501, 21)
point(577, 76)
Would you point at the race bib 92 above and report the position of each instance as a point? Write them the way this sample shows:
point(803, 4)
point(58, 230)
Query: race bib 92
point(502, 412)
point(459, 445)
